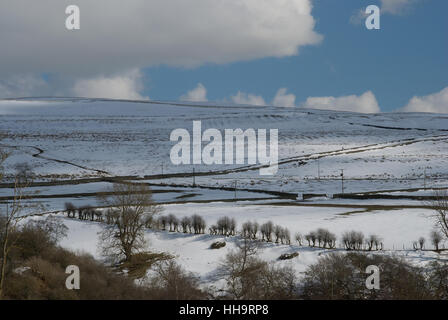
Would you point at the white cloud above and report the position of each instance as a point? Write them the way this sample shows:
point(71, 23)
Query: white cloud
point(115, 37)
point(396, 6)
point(283, 99)
point(358, 17)
point(25, 85)
point(436, 102)
point(124, 86)
point(365, 103)
point(198, 94)
point(248, 99)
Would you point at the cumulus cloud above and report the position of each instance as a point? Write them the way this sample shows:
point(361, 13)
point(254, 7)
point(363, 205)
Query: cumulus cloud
point(123, 86)
point(365, 103)
point(359, 17)
point(436, 103)
point(283, 99)
point(198, 94)
point(116, 36)
point(396, 7)
point(248, 99)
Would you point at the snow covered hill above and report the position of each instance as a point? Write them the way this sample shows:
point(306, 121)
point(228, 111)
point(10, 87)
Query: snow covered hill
point(401, 156)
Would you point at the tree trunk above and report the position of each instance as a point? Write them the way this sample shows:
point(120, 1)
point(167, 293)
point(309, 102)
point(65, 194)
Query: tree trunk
point(4, 255)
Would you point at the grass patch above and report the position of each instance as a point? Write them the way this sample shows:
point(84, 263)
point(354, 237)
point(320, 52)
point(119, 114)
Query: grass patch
point(138, 265)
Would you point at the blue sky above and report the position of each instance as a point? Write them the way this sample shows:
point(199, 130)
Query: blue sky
point(408, 56)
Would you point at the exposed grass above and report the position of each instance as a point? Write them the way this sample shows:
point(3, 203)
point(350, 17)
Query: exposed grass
point(141, 262)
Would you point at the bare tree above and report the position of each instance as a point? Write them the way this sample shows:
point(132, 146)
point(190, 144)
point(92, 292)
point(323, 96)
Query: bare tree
point(173, 222)
point(240, 267)
point(198, 224)
point(311, 238)
point(374, 241)
point(134, 208)
point(266, 230)
point(440, 205)
point(278, 233)
point(172, 282)
point(325, 238)
point(299, 238)
point(436, 238)
point(163, 221)
point(71, 209)
point(14, 213)
point(249, 277)
point(186, 224)
point(250, 230)
point(353, 240)
point(421, 242)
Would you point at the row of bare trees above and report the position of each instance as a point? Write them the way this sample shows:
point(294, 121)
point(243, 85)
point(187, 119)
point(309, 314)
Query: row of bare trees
point(194, 224)
point(435, 237)
point(268, 231)
point(133, 202)
point(320, 238)
point(225, 226)
point(351, 240)
point(84, 212)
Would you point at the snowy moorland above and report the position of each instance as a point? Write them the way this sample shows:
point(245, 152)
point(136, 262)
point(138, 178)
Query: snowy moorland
point(392, 162)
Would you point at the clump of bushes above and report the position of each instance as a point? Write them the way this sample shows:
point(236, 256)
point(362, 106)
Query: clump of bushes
point(250, 278)
point(217, 245)
point(288, 256)
point(36, 270)
point(342, 277)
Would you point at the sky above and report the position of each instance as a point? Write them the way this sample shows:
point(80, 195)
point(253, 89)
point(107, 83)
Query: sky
point(287, 53)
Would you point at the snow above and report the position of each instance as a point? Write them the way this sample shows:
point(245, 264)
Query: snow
point(398, 228)
point(387, 153)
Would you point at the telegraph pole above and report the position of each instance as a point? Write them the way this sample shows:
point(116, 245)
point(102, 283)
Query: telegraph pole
point(235, 188)
point(342, 180)
point(318, 169)
point(162, 169)
point(424, 180)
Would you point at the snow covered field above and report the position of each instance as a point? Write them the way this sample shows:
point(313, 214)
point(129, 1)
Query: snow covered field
point(393, 154)
point(124, 138)
point(398, 229)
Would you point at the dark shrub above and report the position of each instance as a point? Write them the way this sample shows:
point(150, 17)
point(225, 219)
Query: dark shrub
point(288, 256)
point(217, 245)
point(343, 276)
